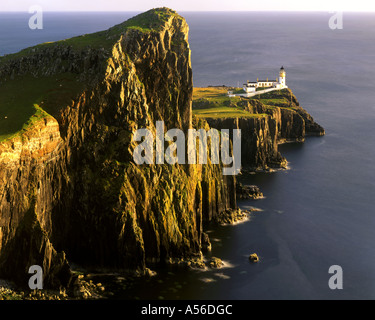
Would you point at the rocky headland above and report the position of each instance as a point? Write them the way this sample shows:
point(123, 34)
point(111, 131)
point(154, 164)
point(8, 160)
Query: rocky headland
point(266, 121)
point(70, 191)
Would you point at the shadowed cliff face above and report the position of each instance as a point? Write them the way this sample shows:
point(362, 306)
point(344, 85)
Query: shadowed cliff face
point(69, 189)
point(258, 140)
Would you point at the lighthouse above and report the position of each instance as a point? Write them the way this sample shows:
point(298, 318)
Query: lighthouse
point(282, 77)
point(279, 83)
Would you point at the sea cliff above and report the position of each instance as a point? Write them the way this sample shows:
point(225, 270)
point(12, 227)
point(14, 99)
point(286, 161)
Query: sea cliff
point(265, 121)
point(69, 189)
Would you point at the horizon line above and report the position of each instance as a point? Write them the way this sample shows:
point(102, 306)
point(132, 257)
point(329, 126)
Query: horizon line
point(196, 11)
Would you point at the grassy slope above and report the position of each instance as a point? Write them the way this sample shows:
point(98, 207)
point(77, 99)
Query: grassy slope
point(278, 98)
point(27, 99)
point(151, 20)
point(213, 102)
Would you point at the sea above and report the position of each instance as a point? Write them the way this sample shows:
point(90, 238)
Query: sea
point(321, 211)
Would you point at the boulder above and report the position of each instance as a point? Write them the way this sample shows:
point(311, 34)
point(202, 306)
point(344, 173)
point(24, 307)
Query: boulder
point(254, 257)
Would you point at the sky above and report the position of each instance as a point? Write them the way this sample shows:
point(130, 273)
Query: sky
point(190, 5)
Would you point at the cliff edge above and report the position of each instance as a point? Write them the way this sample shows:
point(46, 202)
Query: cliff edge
point(69, 189)
point(265, 120)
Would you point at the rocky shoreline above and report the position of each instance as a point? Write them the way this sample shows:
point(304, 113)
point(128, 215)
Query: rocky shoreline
point(84, 287)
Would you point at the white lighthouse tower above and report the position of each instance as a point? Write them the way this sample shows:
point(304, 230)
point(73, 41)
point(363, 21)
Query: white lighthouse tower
point(282, 77)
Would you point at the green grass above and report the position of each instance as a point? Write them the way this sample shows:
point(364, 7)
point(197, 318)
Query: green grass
point(25, 100)
point(211, 99)
point(19, 98)
point(39, 114)
point(94, 40)
point(213, 102)
point(146, 22)
point(152, 20)
point(209, 92)
point(277, 94)
point(225, 112)
point(278, 98)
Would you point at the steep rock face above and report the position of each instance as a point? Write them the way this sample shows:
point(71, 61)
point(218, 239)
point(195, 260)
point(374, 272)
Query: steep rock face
point(311, 127)
point(70, 189)
point(258, 140)
point(270, 126)
point(292, 126)
point(27, 170)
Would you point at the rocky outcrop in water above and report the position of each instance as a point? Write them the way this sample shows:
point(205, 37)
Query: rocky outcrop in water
point(248, 191)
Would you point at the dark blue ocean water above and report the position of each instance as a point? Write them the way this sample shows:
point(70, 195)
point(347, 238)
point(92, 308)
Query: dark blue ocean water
point(321, 211)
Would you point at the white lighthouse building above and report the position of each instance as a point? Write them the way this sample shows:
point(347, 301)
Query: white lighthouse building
point(282, 76)
point(280, 83)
